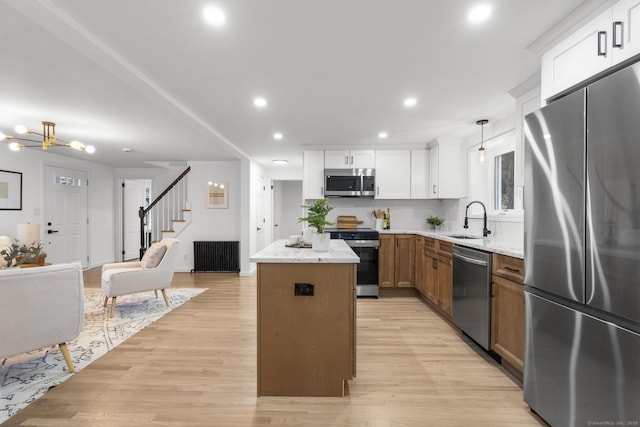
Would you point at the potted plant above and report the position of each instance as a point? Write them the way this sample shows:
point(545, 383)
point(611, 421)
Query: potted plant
point(21, 253)
point(317, 218)
point(435, 222)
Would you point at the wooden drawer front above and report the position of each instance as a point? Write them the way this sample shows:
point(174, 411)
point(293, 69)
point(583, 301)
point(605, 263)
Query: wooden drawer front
point(429, 244)
point(445, 248)
point(508, 267)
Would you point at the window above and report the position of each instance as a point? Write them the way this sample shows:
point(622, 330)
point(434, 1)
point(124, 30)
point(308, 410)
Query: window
point(504, 181)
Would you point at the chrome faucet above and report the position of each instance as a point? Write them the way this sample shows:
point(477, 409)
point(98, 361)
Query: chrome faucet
point(485, 230)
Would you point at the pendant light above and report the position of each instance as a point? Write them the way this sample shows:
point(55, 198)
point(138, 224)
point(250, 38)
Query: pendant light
point(481, 150)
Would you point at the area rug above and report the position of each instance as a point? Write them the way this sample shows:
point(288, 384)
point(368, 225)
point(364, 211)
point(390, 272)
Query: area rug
point(26, 377)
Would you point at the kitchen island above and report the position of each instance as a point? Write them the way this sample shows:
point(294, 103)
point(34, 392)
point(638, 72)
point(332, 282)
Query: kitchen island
point(306, 320)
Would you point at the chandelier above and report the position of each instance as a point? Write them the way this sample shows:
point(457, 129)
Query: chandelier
point(49, 139)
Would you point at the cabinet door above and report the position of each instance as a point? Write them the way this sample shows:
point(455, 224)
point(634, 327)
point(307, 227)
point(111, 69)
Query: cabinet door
point(445, 285)
point(362, 159)
point(419, 264)
point(313, 182)
point(404, 260)
point(336, 159)
point(433, 172)
point(625, 40)
point(576, 58)
point(419, 174)
point(430, 277)
point(386, 260)
point(393, 174)
point(507, 321)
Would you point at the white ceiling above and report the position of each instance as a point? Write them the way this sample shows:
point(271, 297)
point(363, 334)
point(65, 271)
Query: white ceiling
point(153, 76)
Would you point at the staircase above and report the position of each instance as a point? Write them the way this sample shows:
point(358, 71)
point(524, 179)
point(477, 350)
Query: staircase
point(166, 216)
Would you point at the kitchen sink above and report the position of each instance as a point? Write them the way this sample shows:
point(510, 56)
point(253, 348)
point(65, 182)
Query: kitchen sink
point(463, 236)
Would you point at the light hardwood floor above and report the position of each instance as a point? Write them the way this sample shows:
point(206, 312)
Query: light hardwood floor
point(197, 367)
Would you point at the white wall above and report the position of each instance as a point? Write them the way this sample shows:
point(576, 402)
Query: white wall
point(100, 197)
point(210, 224)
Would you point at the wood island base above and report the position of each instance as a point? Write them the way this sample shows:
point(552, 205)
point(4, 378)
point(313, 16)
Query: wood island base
point(306, 343)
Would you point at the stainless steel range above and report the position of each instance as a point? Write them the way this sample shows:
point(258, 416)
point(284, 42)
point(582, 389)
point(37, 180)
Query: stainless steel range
point(365, 243)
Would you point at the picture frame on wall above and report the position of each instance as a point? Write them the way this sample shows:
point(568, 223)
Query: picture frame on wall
point(217, 195)
point(10, 190)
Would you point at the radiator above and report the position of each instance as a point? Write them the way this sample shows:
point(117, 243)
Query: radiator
point(216, 256)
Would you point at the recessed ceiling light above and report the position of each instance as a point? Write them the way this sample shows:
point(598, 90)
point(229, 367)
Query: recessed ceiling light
point(126, 149)
point(383, 135)
point(214, 16)
point(280, 162)
point(410, 102)
point(278, 136)
point(259, 102)
point(479, 13)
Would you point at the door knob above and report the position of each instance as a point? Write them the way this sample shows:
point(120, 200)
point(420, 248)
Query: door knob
point(51, 231)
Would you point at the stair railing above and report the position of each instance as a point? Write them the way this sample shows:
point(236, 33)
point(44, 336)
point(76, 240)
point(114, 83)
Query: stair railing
point(159, 216)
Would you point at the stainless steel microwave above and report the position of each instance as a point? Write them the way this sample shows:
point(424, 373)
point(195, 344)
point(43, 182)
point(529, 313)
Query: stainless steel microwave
point(349, 182)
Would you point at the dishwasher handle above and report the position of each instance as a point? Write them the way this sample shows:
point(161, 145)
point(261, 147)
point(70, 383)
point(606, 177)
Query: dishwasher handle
point(470, 260)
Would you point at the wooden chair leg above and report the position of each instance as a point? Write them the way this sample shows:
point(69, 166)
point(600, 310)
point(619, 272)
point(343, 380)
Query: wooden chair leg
point(67, 356)
point(156, 292)
point(106, 300)
point(113, 307)
point(164, 295)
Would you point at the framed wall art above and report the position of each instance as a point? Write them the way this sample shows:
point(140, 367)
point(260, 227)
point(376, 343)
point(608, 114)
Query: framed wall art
point(10, 190)
point(217, 195)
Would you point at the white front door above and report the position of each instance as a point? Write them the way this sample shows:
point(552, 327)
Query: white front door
point(65, 214)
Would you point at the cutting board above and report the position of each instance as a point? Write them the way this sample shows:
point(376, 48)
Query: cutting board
point(346, 221)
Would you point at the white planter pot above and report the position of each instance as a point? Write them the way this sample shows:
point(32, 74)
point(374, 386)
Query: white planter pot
point(321, 242)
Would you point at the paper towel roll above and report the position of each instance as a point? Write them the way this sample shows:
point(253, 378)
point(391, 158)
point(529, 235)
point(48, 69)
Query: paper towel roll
point(28, 234)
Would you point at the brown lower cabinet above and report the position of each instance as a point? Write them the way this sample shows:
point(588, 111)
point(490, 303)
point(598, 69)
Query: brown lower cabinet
point(507, 311)
point(396, 260)
point(435, 280)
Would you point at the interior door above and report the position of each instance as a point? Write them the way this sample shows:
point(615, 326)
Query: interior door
point(133, 197)
point(65, 213)
point(260, 213)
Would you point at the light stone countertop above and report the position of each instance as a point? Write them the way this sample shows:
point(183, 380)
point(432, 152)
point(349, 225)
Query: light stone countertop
point(511, 248)
point(277, 252)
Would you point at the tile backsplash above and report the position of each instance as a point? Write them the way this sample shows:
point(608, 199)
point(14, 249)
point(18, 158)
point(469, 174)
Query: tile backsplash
point(411, 215)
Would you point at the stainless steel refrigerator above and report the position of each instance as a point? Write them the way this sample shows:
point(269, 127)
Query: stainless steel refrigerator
point(582, 255)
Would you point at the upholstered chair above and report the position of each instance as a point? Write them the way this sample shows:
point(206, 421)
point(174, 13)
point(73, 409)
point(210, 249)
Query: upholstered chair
point(152, 273)
point(40, 307)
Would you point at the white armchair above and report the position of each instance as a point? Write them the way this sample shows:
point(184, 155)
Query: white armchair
point(40, 307)
point(154, 271)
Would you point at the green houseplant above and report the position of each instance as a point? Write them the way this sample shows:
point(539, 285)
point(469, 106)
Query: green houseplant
point(435, 221)
point(317, 218)
point(21, 253)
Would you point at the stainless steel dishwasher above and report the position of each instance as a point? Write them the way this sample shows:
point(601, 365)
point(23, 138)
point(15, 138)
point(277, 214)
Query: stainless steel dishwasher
point(472, 293)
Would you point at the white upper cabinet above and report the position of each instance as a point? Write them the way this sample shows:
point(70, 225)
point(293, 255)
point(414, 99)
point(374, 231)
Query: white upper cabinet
point(393, 174)
point(357, 159)
point(607, 40)
point(578, 57)
point(625, 40)
point(313, 180)
point(419, 174)
point(446, 176)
